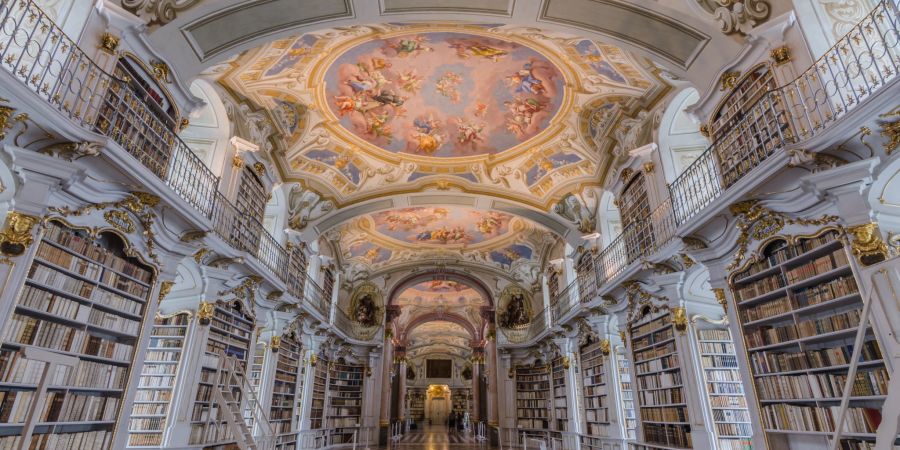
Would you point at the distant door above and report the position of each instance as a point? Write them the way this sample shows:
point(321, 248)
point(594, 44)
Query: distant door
point(439, 411)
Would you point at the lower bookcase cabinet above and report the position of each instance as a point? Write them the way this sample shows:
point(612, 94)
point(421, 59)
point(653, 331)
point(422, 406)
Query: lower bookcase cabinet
point(230, 332)
point(286, 389)
point(659, 382)
point(594, 379)
point(724, 388)
point(84, 303)
point(153, 396)
point(533, 400)
point(799, 305)
point(344, 400)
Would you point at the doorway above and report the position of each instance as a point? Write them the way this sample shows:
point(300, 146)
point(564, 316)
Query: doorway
point(437, 404)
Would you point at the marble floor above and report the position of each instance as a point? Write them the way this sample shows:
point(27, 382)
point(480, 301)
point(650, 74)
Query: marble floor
point(437, 437)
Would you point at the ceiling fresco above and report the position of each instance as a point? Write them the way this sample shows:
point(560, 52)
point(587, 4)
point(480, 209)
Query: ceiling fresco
point(378, 242)
point(368, 111)
point(441, 225)
point(444, 94)
point(439, 337)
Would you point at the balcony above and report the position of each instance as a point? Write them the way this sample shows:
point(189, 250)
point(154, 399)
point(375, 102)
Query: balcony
point(35, 50)
point(855, 69)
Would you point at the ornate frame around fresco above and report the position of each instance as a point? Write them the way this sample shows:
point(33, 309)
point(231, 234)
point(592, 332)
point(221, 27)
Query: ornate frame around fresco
point(518, 333)
point(367, 332)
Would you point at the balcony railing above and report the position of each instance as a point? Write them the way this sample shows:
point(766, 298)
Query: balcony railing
point(564, 301)
point(856, 68)
point(37, 52)
point(316, 297)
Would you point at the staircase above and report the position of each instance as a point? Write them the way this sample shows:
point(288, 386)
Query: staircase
point(234, 397)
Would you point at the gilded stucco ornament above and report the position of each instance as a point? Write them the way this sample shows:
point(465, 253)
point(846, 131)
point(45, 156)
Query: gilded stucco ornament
point(73, 151)
point(16, 237)
point(720, 298)
point(867, 244)
point(756, 223)
point(604, 346)
point(109, 43)
point(119, 220)
point(679, 319)
point(890, 129)
point(275, 343)
point(164, 289)
point(781, 55)
point(205, 312)
point(728, 80)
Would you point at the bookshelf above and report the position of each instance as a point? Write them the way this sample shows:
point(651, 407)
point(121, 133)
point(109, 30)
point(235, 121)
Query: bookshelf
point(345, 396)
point(320, 382)
point(724, 387)
point(286, 390)
point(560, 400)
point(738, 152)
point(596, 399)
point(461, 400)
point(533, 398)
point(798, 305)
point(416, 398)
point(157, 381)
point(230, 332)
point(627, 394)
point(658, 382)
point(82, 298)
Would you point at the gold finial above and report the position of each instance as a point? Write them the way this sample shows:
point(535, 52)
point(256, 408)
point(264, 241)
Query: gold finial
point(781, 55)
point(867, 244)
point(275, 343)
point(109, 43)
point(205, 312)
point(679, 319)
point(237, 162)
point(728, 80)
point(604, 346)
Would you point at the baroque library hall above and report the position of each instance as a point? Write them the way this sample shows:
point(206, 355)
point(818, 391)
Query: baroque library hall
point(449, 224)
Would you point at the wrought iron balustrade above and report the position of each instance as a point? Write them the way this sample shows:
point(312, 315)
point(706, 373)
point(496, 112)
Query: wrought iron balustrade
point(857, 67)
point(316, 297)
point(38, 53)
point(860, 64)
point(564, 301)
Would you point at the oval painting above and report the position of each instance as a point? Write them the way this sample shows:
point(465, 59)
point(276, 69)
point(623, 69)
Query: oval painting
point(443, 94)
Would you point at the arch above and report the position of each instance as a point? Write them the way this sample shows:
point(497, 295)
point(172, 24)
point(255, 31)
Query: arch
point(446, 274)
point(440, 317)
point(209, 131)
point(680, 140)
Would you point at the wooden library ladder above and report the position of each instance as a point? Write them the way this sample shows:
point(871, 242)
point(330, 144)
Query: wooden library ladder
point(231, 407)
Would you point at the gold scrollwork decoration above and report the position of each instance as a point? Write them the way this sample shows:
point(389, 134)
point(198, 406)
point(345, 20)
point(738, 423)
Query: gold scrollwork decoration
point(566, 362)
point(119, 220)
point(16, 237)
point(720, 298)
point(890, 129)
point(109, 43)
point(757, 223)
point(164, 289)
point(781, 55)
point(728, 80)
point(867, 244)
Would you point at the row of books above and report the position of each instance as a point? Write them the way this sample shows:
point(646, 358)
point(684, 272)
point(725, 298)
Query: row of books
point(659, 380)
point(783, 416)
point(774, 362)
point(728, 401)
point(149, 381)
point(823, 385)
point(125, 284)
point(731, 429)
point(526, 394)
point(94, 440)
point(654, 352)
point(659, 336)
point(731, 415)
point(665, 414)
point(656, 324)
point(725, 388)
point(713, 334)
point(760, 287)
point(210, 432)
point(151, 409)
point(43, 276)
point(661, 397)
point(147, 424)
point(75, 407)
point(668, 435)
point(594, 391)
point(716, 374)
point(821, 293)
point(596, 415)
point(729, 361)
point(145, 440)
point(101, 255)
point(158, 356)
point(655, 365)
point(765, 310)
point(47, 253)
point(542, 403)
point(532, 423)
point(818, 266)
point(716, 347)
point(829, 324)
